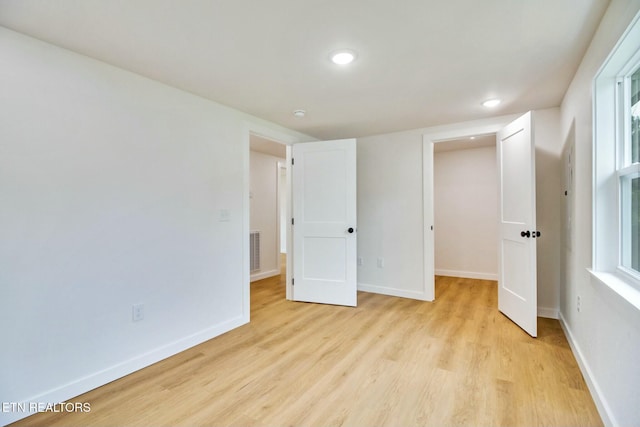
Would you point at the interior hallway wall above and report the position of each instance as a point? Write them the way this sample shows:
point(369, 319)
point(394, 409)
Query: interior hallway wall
point(549, 193)
point(466, 213)
point(265, 212)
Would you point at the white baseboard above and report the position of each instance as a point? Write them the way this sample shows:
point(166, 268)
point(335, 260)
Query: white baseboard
point(601, 403)
point(466, 274)
point(79, 386)
point(392, 291)
point(549, 313)
point(264, 275)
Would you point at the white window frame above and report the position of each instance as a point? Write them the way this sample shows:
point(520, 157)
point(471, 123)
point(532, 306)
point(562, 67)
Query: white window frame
point(625, 169)
point(610, 165)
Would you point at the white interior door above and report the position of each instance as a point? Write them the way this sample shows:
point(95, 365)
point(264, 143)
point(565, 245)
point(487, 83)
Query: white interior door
point(517, 282)
point(324, 222)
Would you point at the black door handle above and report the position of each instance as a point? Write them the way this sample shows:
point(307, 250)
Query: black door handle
point(350, 230)
point(526, 234)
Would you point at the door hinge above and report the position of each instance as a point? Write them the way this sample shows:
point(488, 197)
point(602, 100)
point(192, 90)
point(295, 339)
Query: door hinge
point(293, 281)
point(432, 228)
point(292, 221)
point(292, 161)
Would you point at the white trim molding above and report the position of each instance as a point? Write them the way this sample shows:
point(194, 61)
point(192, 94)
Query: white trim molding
point(383, 290)
point(548, 312)
point(596, 392)
point(467, 274)
point(264, 274)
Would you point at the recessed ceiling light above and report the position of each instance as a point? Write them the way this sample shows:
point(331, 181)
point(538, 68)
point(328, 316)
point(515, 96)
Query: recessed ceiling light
point(473, 137)
point(343, 56)
point(299, 113)
point(491, 103)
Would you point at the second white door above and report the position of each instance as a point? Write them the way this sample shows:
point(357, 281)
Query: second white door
point(324, 222)
point(517, 278)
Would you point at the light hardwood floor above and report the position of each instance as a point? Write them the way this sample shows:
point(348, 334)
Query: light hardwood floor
point(388, 362)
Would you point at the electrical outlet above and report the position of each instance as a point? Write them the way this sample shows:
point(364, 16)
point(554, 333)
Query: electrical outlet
point(579, 304)
point(224, 215)
point(138, 312)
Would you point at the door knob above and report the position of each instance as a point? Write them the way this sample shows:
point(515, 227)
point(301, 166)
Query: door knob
point(350, 230)
point(526, 234)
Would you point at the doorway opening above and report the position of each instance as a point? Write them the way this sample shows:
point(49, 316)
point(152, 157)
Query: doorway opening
point(517, 272)
point(466, 208)
point(462, 131)
point(268, 201)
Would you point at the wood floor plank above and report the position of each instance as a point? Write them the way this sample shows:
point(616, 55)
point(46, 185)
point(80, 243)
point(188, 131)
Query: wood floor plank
point(388, 362)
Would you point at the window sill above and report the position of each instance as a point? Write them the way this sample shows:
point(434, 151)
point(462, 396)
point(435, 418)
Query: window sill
point(618, 284)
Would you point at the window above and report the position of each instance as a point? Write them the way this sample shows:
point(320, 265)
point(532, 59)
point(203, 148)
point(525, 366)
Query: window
point(616, 168)
point(628, 116)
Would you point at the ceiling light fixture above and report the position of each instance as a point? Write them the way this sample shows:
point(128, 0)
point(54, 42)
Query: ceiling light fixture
point(491, 103)
point(343, 56)
point(299, 113)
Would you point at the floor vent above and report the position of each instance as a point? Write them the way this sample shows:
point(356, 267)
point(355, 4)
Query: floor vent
point(254, 249)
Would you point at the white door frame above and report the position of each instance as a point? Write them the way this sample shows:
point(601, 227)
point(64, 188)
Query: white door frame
point(251, 128)
point(442, 134)
point(282, 226)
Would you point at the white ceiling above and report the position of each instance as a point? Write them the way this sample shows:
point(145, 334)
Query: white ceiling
point(266, 146)
point(479, 141)
point(420, 63)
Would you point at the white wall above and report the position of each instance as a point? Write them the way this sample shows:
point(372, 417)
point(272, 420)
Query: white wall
point(549, 193)
point(111, 189)
point(605, 334)
point(390, 214)
point(466, 213)
point(265, 211)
